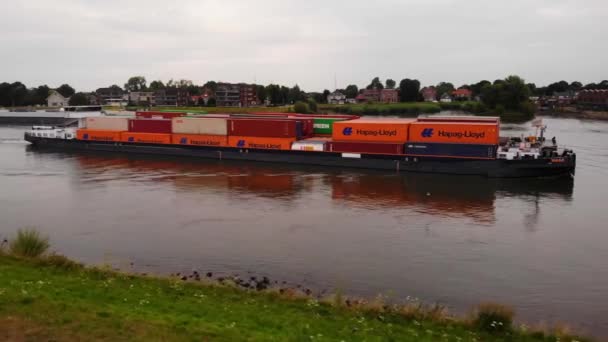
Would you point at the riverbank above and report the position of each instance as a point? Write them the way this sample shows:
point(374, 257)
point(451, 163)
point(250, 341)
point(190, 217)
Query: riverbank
point(55, 298)
point(576, 114)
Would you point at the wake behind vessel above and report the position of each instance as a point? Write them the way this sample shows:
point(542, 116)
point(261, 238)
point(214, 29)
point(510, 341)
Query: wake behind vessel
point(465, 145)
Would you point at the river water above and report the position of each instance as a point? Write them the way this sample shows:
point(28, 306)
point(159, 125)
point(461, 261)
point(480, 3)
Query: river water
point(539, 245)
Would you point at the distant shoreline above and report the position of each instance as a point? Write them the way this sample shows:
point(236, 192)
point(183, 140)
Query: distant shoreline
point(576, 114)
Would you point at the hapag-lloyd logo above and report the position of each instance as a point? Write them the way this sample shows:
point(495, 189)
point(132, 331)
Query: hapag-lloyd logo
point(372, 132)
point(243, 143)
point(428, 133)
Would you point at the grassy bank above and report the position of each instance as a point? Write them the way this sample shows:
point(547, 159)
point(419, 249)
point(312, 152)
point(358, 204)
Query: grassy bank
point(416, 108)
point(403, 109)
point(53, 298)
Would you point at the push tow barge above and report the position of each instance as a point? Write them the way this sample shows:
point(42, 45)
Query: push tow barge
point(509, 158)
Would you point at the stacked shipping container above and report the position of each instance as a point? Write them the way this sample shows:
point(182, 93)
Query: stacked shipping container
point(370, 136)
point(461, 137)
point(467, 139)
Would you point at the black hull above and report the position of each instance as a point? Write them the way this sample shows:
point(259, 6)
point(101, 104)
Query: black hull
point(488, 168)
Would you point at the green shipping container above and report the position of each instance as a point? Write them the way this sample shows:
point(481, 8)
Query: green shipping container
point(324, 125)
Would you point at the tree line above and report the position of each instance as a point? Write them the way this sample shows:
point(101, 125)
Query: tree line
point(507, 94)
point(17, 94)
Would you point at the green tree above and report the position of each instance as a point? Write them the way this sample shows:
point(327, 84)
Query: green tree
point(295, 94)
point(326, 93)
point(210, 85)
point(156, 85)
point(376, 84)
point(409, 90)
point(532, 88)
point(115, 88)
point(284, 91)
point(273, 92)
point(260, 92)
point(576, 86)
point(476, 88)
point(38, 95)
point(557, 87)
point(5, 94)
point(351, 91)
point(18, 94)
point(444, 88)
point(136, 83)
point(317, 97)
point(301, 107)
point(66, 90)
point(211, 102)
point(79, 99)
point(390, 84)
point(41, 93)
point(511, 94)
point(312, 105)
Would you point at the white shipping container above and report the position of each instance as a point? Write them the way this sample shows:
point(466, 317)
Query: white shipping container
point(308, 145)
point(106, 123)
point(207, 126)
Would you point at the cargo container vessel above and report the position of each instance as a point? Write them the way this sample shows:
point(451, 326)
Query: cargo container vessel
point(465, 146)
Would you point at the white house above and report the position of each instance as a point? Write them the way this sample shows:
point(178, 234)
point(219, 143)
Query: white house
point(55, 99)
point(336, 98)
point(445, 98)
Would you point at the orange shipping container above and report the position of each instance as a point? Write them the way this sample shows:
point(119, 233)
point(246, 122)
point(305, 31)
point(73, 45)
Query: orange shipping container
point(454, 132)
point(149, 138)
point(261, 142)
point(97, 135)
point(376, 130)
point(199, 140)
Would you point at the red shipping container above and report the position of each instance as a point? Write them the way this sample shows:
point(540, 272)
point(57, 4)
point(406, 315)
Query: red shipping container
point(365, 147)
point(150, 126)
point(163, 115)
point(307, 123)
point(307, 127)
point(263, 128)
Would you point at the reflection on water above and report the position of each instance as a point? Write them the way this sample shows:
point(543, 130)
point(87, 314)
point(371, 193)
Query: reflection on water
point(536, 244)
point(442, 195)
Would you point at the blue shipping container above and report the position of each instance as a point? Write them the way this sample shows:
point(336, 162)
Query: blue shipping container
point(451, 150)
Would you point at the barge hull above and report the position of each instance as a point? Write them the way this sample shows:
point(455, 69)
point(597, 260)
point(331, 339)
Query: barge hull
point(494, 168)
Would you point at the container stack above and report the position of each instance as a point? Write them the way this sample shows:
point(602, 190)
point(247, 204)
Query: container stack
point(264, 133)
point(102, 128)
point(370, 136)
point(451, 138)
point(205, 131)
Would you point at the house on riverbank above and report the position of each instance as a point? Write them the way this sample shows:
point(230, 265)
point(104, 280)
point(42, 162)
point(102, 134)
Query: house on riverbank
point(378, 95)
point(55, 99)
point(336, 98)
point(429, 94)
point(593, 99)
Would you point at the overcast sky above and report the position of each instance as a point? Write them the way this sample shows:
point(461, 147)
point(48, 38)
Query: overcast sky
point(94, 43)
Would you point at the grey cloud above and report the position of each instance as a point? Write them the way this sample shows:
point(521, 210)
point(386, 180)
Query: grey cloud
point(91, 43)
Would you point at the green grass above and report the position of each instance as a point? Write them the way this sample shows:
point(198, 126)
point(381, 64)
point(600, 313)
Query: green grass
point(29, 243)
point(51, 298)
point(407, 108)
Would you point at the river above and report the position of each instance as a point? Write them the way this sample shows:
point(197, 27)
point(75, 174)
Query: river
point(538, 245)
